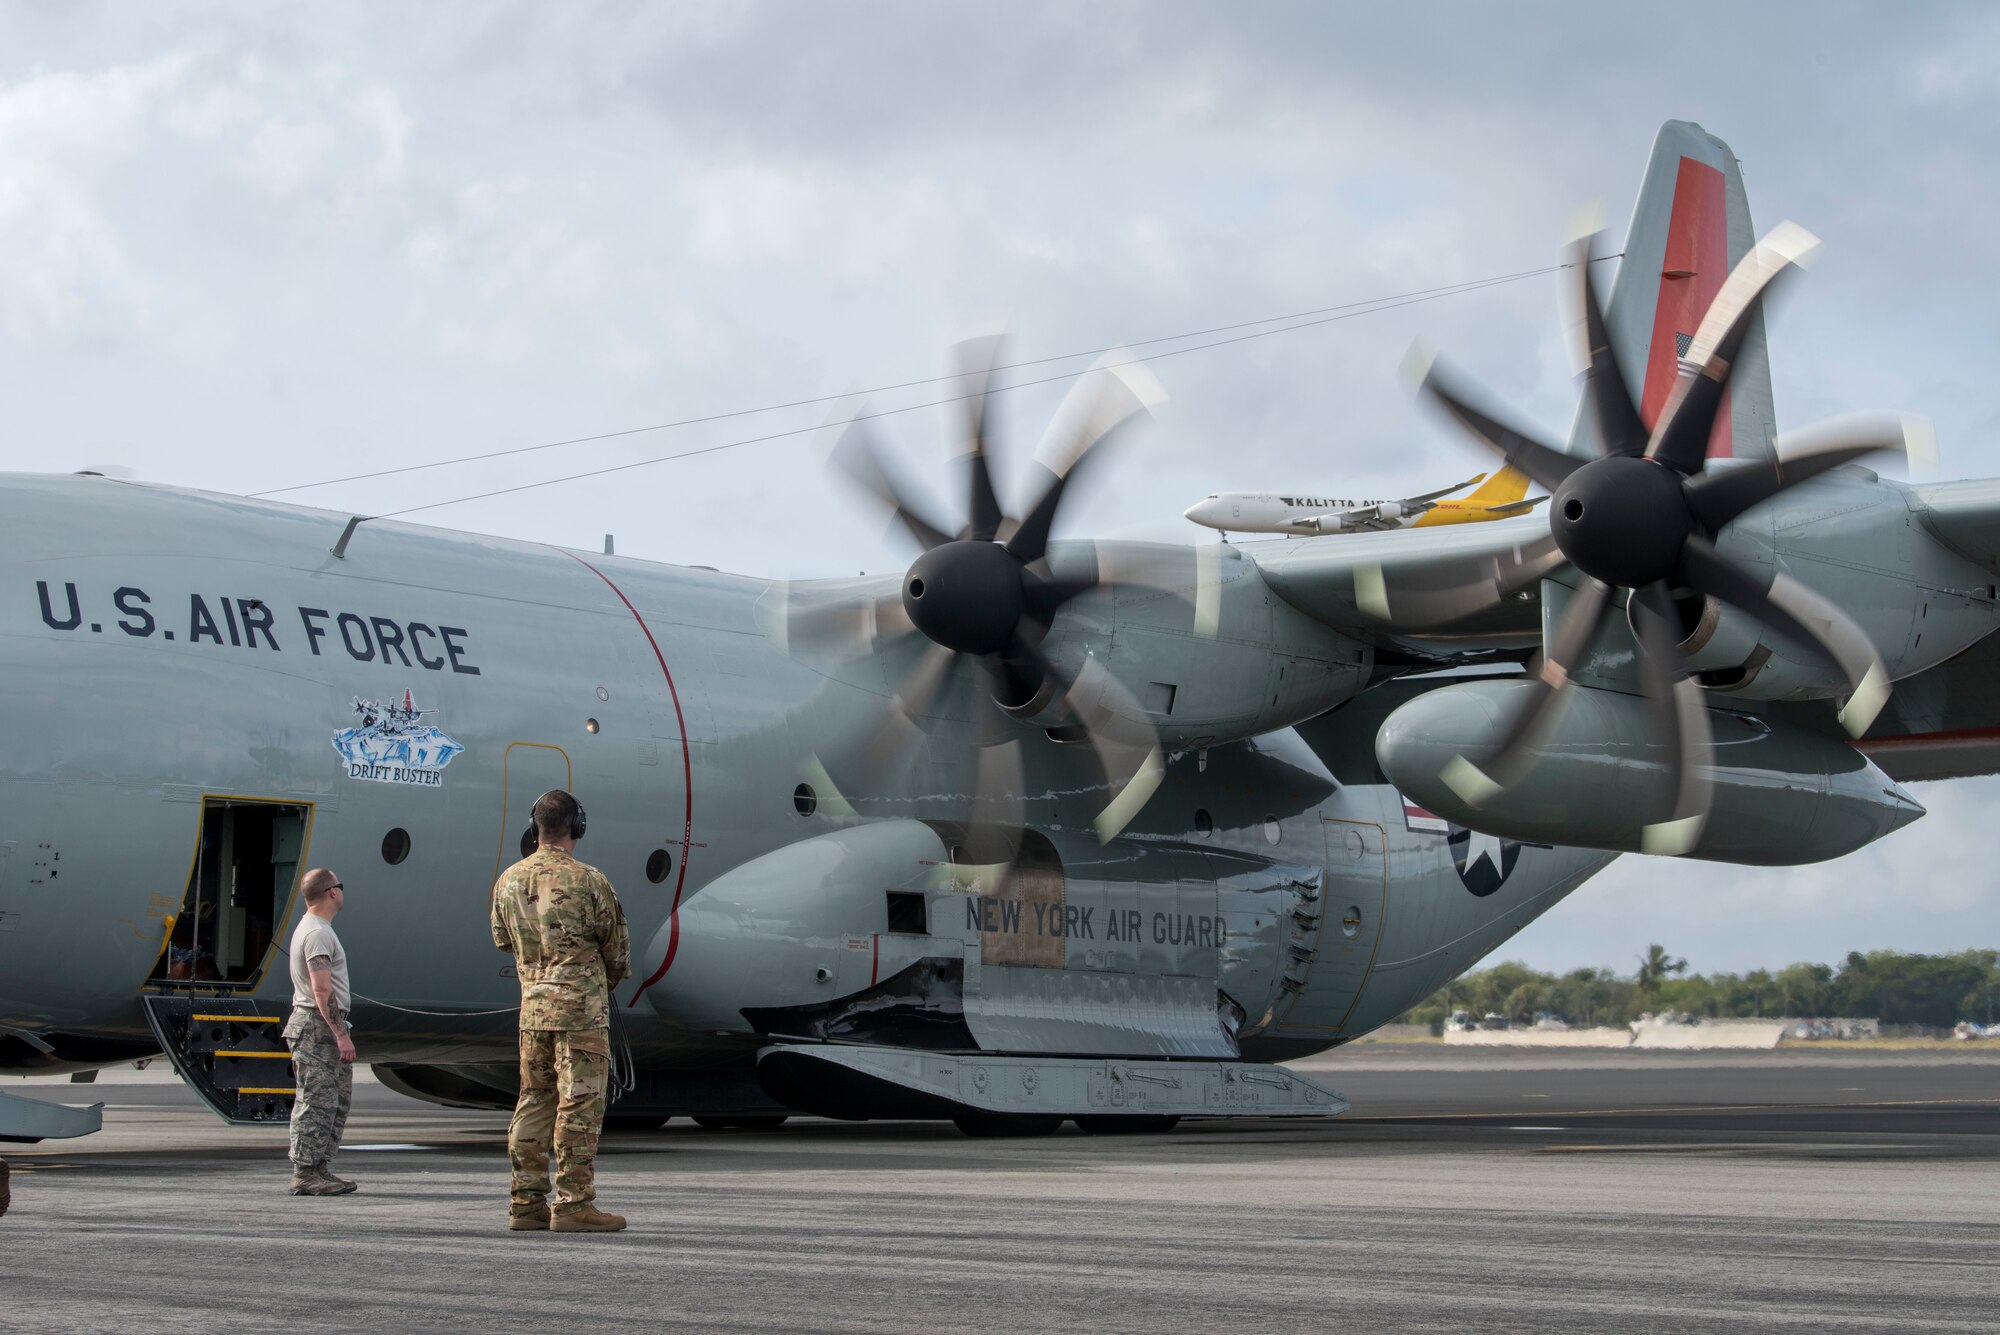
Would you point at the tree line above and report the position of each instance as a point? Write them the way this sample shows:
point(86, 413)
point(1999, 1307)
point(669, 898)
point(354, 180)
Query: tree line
point(1887, 985)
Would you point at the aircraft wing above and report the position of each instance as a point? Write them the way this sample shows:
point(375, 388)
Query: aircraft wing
point(1429, 496)
point(1945, 723)
point(1389, 514)
point(1966, 516)
point(1360, 519)
point(1382, 586)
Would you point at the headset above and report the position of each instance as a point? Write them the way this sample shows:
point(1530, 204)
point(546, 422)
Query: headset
point(577, 823)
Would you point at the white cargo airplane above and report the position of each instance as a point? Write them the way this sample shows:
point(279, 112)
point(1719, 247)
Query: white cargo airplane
point(1306, 516)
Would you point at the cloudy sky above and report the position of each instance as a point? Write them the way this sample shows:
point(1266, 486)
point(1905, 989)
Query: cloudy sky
point(250, 247)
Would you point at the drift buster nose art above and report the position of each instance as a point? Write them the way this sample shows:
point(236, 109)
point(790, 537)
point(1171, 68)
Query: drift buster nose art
point(392, 744)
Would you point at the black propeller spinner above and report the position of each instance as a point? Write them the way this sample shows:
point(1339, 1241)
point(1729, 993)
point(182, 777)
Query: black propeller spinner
point(1643, 517)
point(985, 594)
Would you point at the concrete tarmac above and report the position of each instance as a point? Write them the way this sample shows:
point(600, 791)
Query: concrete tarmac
point(1491, 1190)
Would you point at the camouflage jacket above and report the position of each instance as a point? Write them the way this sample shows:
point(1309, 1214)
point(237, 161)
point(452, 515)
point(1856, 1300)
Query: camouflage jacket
point(561, 921)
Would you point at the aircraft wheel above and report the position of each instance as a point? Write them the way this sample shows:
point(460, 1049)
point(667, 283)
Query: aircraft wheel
point(1126, 1124)
point(1020, 1125)
point(746, 1122)
point(634, 1122)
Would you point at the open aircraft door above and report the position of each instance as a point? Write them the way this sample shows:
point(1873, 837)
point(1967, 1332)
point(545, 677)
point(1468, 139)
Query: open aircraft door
point(241, 891)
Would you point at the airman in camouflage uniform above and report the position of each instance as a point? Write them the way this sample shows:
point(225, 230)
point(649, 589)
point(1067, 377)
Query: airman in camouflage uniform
point(561, 921)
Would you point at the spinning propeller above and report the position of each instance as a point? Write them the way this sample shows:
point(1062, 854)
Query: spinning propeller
point(985, 595)
point(1643, 518)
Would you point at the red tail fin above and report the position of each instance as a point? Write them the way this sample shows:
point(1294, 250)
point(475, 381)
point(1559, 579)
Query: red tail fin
point(1689, 228)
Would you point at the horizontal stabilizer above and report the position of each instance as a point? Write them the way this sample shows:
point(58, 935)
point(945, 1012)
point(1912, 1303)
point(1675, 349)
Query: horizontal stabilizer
point(1515, 507)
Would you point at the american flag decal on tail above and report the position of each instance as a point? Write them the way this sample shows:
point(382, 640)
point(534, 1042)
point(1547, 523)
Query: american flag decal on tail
point(1421, 821)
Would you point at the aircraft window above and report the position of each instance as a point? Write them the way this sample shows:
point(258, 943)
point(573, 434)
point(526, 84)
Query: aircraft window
point(658, 865)
point(1272, 831)
point(804, 800)
point(395, 845)
point(590, 725)
point(529, 843)
point(1204, 824)
point(908, 912)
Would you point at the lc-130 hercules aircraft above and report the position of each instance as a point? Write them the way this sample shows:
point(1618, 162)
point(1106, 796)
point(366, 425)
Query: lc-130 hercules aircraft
point(1039, 830)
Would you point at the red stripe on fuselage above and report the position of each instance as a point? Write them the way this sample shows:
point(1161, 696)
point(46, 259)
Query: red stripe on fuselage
point(687, 783)
point(1692, 271)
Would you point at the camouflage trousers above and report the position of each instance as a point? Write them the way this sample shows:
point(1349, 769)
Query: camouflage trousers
point(564, 1074)
point(325, 1086)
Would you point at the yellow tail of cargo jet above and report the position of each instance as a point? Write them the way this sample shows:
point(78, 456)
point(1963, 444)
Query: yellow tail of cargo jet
point(1499, 497)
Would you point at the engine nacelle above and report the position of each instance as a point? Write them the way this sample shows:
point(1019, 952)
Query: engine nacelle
point(1324, 523)
point(1390, 511)
point(1783, 795)
point(1202, 650)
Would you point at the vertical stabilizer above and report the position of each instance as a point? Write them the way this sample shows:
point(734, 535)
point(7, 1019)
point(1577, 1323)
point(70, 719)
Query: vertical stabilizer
point(1689, 228)
point(1506, 484)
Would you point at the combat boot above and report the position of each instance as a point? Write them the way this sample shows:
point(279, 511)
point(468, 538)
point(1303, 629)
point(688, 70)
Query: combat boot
point(523, 1218)
point(311, 1182)
point(326, 1175)
point(589, 1219)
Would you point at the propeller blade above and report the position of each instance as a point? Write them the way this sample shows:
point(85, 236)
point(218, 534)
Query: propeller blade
point(1680, 437)
point(1801, 615)
point(1718, 497)
point(1113, 392)
point(1545, 464)
point(1518, 750)
point(1128, 754)
point(1419, 597)
point(996, 774)
point(1193, 575)
point(856, 456)
point(924, 681)
point(1676, 722)
point(1619, 428)
point(1046, 593)
point(843, 628)
point(972, 365)
point(869, 763)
